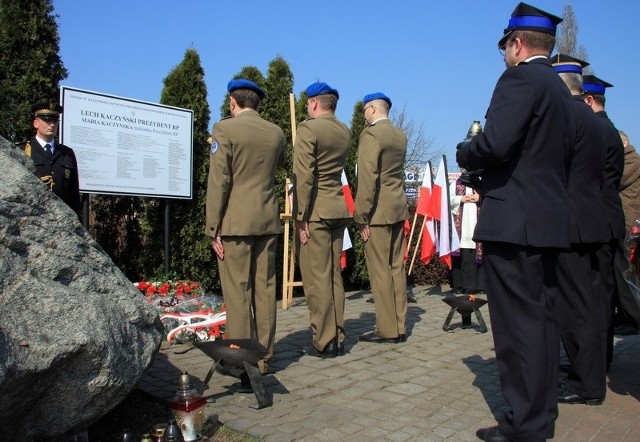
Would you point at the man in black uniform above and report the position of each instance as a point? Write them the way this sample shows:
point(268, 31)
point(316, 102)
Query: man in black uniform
point(613, 283)
point(524, 151)
point(55, 163)
point(581, 316)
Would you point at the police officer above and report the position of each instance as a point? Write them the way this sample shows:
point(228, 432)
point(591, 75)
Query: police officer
point(581, 316)
point(55, 163)
point(524, 220)
point(242, 215)
point(321, 215)
point(380, 212)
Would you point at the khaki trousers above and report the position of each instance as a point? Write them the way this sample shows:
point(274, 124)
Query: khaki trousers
point(384, 252)
point(322, 280)
point(248, 277)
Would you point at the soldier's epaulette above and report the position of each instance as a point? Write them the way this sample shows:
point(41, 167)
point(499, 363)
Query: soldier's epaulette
point(226, 118)
point(21, 145)
point(308, 119)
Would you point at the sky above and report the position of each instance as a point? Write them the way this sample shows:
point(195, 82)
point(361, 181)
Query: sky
point(436, 59)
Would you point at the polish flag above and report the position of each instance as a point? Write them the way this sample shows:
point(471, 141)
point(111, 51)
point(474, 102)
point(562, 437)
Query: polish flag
point(428, 247)
point(440, 210)
point(346, 241)
point(425, 191)
point(407, 229)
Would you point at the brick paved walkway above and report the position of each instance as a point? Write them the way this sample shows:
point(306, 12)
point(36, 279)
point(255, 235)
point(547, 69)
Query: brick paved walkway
point(438, 386)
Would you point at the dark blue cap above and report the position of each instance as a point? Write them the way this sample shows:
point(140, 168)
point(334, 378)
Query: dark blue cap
point(566, 63)
point(529, 18)
point(593, 85)
point(320, 88)
point(376, 96)
point(243, 83)
point(47, 110)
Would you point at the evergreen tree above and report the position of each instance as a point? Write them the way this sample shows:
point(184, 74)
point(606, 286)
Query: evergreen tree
point(355, 275)
point(30, 67)
point(567, 37)
point(191, 256)
point(276, 109)
point(117, 228)
point(250, 73)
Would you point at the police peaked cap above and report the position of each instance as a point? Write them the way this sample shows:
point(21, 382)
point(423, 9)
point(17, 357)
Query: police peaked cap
point(593, 85)
point(566, 63)
point(46, 110)
point(529, 18)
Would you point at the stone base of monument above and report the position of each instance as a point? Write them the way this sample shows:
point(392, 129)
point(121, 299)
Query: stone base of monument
point(465, 305)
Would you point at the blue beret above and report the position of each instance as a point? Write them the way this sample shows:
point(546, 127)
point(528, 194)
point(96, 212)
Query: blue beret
point(319, 88)
point(594, 85)
point(565, 63)
point(242, 83)
point(529, 18)
point(376, 96)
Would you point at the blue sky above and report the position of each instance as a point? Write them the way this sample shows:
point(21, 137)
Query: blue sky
point(438, 59)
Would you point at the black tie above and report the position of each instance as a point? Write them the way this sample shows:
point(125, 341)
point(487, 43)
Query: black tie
point(47, 148)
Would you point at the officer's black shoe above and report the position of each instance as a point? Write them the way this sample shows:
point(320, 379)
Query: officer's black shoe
point(491, 435)
point(567, 397)
point(330, 351)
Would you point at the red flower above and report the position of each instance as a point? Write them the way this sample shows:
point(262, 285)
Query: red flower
point(151, 289)
point(164, 288)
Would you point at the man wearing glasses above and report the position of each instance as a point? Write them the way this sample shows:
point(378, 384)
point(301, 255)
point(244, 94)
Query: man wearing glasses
point(380, 212)
point(56, 164)
point(524, 221)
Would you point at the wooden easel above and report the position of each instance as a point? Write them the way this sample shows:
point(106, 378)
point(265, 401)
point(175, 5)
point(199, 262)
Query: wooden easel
point(289, 253)
point(289, 257)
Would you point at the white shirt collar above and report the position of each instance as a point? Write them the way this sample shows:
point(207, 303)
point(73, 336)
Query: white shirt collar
point(42, 142)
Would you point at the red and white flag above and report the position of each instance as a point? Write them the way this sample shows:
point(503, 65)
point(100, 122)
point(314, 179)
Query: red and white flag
point(346, 241)
point(428, 247)
point(439, 209)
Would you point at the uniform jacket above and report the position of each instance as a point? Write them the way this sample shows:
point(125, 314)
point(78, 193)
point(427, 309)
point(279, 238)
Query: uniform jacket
point(525, 151)
point(380, 198)
point(614, 165)
point(630, 186)
point(319, 156)
point(241, 197)
point(586, 178)
point(63, 167)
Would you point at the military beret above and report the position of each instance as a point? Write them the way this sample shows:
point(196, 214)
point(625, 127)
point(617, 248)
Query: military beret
point(243, 83)
point(529, 18)
point(593, 85)
point(46, 110)
point(566, 63)
point(376, 96)
point(320, 88)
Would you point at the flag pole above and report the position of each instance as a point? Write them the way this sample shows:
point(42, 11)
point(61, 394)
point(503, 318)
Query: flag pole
point(413, 227)
point(415, 252)
point(292, 258)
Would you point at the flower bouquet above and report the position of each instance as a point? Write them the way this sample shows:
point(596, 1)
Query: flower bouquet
point(185, 310)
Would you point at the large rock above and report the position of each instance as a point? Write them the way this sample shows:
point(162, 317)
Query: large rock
point(75, 334)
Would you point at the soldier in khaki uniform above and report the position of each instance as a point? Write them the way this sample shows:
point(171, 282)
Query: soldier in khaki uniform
point(380, 212)
point(242, 215)
point(321, 215)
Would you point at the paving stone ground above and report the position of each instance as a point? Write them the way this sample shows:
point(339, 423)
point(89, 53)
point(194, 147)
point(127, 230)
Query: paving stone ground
point(438, 386)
